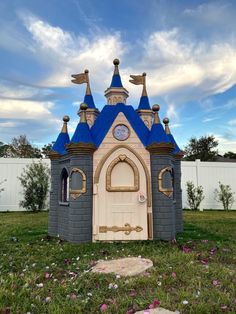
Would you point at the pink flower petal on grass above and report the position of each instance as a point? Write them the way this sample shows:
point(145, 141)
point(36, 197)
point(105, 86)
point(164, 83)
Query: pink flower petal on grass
point(186, 249)
point(47, 275)
point(103, 307)
point(204, 261)
point(215, 282)
point(154, 304)
point(173, 274)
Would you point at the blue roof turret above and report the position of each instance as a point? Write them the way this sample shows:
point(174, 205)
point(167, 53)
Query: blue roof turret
point(144, 101)
point(116, 79)
point(157, 133)
point(176, 150)
point(84, 78)
point(82, 133)
point(88, 98)
point(62, 139)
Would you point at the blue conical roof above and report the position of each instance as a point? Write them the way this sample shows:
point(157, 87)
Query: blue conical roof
point(88, 100)
point(144, 103)
point(82, 134)
point(157, 135)
point(116, 79)
point(172, 140)
point(60, 144)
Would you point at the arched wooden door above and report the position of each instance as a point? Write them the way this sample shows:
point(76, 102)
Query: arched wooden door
point(120, 208)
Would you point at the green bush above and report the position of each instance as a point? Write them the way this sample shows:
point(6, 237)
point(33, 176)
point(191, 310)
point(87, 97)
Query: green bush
point(35, 183)
point(224, 195)
point(194, 195)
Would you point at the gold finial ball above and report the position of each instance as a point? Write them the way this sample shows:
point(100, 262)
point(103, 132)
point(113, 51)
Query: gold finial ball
point(166, 120)
point(66, 118)
point(155, 108)
point(144, 73)
point(86, 71)
point(116, 61)
point(83, 106)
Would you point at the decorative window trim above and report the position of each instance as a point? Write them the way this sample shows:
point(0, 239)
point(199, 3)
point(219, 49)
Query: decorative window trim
point(77, 193)
point(121, 124)
point(167, 191)
point(134, 188)
point(64, 186)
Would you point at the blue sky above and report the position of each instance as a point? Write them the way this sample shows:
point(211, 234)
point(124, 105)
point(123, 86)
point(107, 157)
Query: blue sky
point(187, 48)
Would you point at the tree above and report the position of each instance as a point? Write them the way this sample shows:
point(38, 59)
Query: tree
point(46, 149)
point(20, 147)
point(202, 148)
point(194, 195)
point(3, 149)
point(35, 183)
point(224, 195)
point(230, 155)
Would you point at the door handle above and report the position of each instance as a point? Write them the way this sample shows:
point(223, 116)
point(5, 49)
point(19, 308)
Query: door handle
point(141, 198)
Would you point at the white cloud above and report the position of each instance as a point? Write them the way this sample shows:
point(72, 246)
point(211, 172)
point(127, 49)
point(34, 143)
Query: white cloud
point(10, 124)
point(19, 91)
point(206, 120)
point(178, 65)
point(23, 109)
point(66, 54)
point(225, 144)
point(187, 67)
point(232, 122)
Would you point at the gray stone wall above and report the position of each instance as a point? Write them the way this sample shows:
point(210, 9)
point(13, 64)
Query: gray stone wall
point(72, 220)
point(53, 212)
point(178, 196)
point(162, 205)
point(80, 213)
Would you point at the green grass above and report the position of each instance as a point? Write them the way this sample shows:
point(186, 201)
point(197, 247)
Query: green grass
point(72, 288)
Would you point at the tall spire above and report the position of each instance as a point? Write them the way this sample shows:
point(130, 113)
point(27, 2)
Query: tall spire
point(141, 80)
point(116, 93)
point(116, 80)
point(82, 133)
point(158, 140)
point(62, 139)
point(177, 150)
point(84, 78)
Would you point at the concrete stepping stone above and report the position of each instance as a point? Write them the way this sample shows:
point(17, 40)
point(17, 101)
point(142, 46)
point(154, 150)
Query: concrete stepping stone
point(157, 310)
point(128, 266)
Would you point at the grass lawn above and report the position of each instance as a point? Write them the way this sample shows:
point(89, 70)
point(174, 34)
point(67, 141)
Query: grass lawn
point(43, 275)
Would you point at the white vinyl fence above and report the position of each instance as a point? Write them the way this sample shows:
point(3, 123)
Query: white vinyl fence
point(207, 174)
point(10, 170)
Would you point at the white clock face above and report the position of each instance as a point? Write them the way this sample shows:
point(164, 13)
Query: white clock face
point(121, 132)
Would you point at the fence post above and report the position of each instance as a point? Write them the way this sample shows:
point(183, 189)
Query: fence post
point(198, 165)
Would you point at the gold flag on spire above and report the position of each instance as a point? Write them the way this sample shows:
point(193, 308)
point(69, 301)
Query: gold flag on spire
point(80, 78)
point(137, 79)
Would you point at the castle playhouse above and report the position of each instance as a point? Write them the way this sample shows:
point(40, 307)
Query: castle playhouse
point(118, 177)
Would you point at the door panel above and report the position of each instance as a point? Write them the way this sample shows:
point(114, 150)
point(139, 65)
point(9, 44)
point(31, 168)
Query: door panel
point(121, 209)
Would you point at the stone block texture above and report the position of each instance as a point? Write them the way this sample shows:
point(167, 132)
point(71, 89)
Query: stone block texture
point(178, 196)
point(71, 221)
point(80, 214)
point(162, 206)
point(54, 194)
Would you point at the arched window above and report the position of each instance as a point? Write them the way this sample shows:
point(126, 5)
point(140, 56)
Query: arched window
point(165, 181)
point(122, 175)
point(64, 186)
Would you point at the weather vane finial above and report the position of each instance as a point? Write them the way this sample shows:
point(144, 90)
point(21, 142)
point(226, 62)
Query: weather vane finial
point(82, 78)
point(140, 80)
